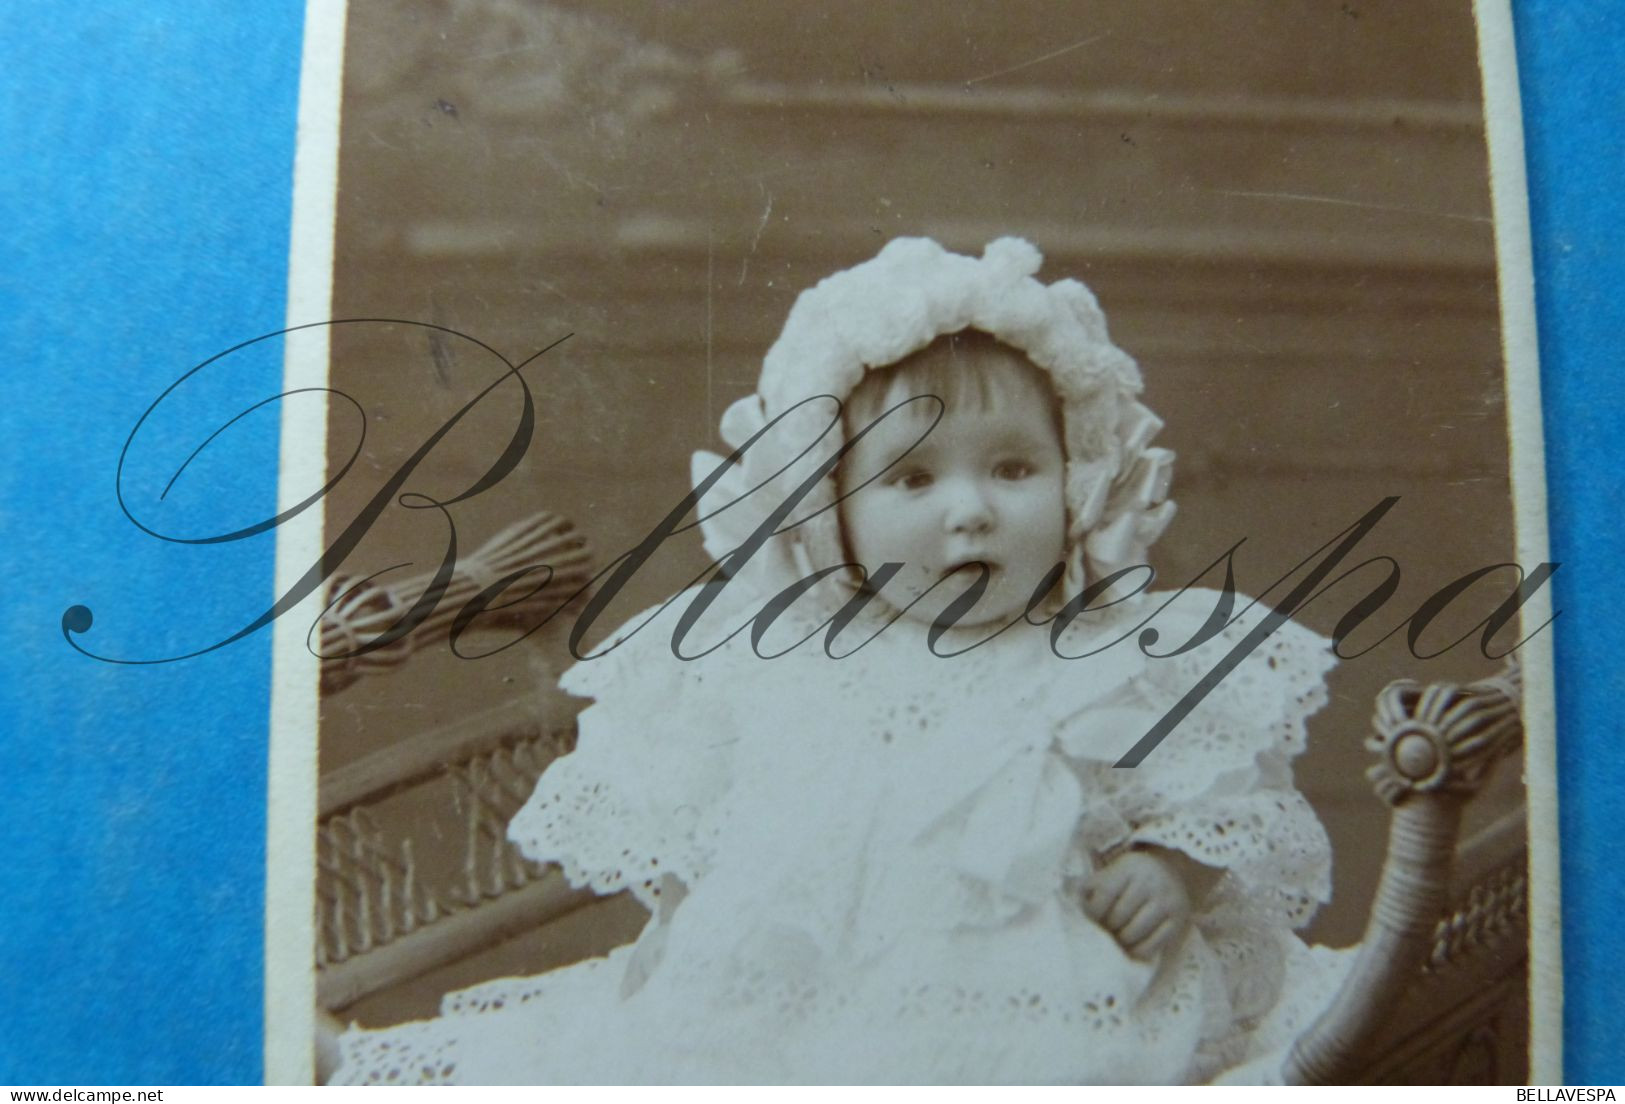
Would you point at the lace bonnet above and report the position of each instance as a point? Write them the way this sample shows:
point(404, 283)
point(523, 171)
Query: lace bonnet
point(876, 313)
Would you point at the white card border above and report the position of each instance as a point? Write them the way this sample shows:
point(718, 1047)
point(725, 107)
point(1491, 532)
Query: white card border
point(1509, 197)
point(290, 885)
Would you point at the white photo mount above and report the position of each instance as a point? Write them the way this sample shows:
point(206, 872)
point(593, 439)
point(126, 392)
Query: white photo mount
point(1174, 279)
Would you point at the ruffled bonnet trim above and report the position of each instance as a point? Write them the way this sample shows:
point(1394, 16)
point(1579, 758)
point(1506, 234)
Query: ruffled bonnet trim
point(878, 312)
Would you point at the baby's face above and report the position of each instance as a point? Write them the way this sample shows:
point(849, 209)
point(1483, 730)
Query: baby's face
point(986, 486)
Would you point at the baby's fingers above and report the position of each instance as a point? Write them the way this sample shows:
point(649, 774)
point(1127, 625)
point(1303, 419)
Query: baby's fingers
point(1133, 901)
point(1153, 941)
point(1142, 923)
point(1101, 892)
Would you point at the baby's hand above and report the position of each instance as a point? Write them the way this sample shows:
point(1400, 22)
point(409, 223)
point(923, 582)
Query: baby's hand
point(1141, 900)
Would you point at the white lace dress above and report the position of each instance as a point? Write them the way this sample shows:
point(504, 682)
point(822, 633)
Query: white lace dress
point(876, 859)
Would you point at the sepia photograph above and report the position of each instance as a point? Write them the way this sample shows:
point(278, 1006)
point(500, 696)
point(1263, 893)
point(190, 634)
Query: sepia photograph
point(921, 543)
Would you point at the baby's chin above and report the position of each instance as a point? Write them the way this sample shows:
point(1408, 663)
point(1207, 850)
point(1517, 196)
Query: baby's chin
point(998, 606)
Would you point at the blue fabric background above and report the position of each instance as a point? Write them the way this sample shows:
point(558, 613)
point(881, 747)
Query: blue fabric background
point(1573, 83)
point(146, 186)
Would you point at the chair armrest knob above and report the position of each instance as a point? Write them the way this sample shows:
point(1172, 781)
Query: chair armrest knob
point(1443, 738)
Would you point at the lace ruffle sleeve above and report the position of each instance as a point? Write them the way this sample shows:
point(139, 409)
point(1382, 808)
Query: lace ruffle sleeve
point(1219, 787)
point(637, 799)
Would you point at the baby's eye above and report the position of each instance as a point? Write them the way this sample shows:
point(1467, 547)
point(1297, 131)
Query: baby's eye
point(1013, 470)
point(914, 480)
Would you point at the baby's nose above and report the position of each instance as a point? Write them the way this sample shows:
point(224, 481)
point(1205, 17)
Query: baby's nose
point(968, 509)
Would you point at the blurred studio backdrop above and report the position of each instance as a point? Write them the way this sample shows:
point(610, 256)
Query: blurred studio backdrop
point(1282, 205)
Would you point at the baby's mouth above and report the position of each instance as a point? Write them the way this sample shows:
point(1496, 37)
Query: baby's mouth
point(970, 569)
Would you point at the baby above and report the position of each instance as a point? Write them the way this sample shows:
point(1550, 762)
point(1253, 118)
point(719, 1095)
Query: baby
point(984, 487)
point(903, 853)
